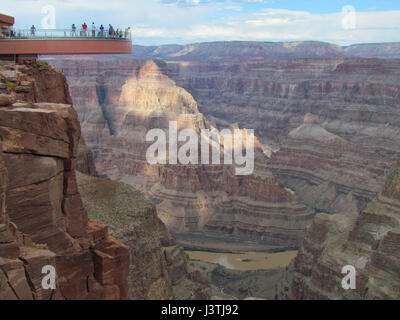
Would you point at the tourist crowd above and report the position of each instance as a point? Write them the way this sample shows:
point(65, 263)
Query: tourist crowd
point(101, 32)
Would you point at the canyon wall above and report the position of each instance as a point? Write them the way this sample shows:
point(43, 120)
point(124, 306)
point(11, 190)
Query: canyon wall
point(42, 219)
point(368, 241)
point(344, 156)
point(120, 100)
point(254, 85)
point(327, 171)
point(332, 127)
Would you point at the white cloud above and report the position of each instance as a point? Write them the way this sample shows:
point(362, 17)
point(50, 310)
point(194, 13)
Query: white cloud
point(234, 8)
point(149, 32)
point(268, 22)
point(281, 25)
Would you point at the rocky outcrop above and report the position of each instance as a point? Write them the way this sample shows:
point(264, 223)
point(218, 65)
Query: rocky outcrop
point(36, 82)
point(42, 219)
point(159, 268)
point(369, 241)
point(119, 101)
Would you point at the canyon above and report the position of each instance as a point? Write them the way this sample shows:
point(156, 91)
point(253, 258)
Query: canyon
point(326, 121)
point(44, 220)
point(330, 125)
point(326, 127)
point(119, 101)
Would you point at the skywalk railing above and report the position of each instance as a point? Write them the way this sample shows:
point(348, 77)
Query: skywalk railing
point(67, 34)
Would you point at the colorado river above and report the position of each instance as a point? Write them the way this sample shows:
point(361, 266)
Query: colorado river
point(246, 261)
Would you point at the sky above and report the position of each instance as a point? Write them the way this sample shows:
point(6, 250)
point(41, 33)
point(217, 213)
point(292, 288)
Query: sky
point(157, 22)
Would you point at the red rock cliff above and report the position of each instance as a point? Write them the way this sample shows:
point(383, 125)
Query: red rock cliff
point(42, 218)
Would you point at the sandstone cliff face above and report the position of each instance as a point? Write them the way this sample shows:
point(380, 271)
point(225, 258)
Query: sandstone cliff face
point(42, 218)
point(369, 241)
point(35, 83)
point(356, 100)
point(118, 101)
point(159, 268)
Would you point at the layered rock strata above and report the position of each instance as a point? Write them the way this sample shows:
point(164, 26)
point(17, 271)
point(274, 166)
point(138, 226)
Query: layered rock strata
point(119, 101)
point(368, 241)
point(356, 100)
point(42, 219)
point(328, 172)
